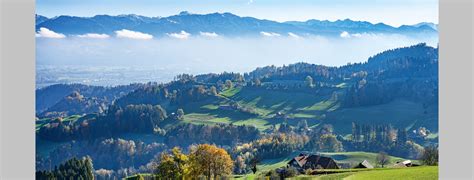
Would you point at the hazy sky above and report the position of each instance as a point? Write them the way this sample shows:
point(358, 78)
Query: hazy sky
point(392, 12)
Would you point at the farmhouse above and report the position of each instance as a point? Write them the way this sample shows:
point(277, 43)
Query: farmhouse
point(364, 164)
point(280, 114)
point(304, 162)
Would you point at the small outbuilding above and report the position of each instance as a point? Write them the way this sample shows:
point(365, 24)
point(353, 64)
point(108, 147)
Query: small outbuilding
point(406, 163)
point(364, 164)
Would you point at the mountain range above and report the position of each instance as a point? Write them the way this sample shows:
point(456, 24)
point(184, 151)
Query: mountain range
point(227, 24)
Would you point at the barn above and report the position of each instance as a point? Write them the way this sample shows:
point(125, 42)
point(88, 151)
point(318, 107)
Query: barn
point(304, 162)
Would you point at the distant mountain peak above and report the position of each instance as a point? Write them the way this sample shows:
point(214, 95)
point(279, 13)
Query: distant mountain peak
point(429, 24)
point(129, 15)
point(345, 20)
point(39, 19)
point(184, 13)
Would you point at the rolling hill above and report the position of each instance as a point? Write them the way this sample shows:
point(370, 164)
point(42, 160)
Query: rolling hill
point(388, 103)
point(397, 87)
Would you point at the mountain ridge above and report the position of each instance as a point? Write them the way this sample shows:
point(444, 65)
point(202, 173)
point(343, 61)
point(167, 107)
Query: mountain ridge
point(221, 23)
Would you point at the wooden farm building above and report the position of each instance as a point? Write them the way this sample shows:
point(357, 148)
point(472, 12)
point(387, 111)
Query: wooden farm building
point(304, 162)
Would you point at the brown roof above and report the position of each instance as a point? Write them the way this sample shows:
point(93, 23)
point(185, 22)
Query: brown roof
point(301, 160)
point(365, 164)
point(312, 161)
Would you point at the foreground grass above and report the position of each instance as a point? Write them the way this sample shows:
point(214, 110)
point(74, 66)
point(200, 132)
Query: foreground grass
point(412, 173)
point(415, 173)
point(352, 158)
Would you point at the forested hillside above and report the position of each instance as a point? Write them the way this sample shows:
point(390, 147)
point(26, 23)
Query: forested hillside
point(55, 99)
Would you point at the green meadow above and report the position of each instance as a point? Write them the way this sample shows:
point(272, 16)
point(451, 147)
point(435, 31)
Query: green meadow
point(297, 106)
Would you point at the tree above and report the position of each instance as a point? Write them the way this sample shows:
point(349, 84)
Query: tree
point(240, 166)
point(180, 114)
point(329, 143)
point(174, 165)
point(303, 125)
point(213, 91)
point(254, 163)
point(89, 167)
point(382, 158)
point(288, 172)
point(104, 174)
point(228, 84)
point(430, 156)
point(71, 169)
point(309, 81)
point(210, 161)
point(257, 82)
point(402, 136)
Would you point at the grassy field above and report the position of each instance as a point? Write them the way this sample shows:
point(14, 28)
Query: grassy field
point(41, 122)
point(340, 157)
point(266, 103)
point(313, 108)
point(421, 172)
point(271, 102)
point(413, 173)
point(400, 113)
point(357, 157)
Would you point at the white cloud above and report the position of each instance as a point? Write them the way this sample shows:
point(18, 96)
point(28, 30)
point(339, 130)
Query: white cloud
point(345, 34)
point(94, 36)
point(124, 33)
point(180, 35)
point(208, 34)
point(46, 33)
point(249, 2)
point(269, 34)
point(293, 35)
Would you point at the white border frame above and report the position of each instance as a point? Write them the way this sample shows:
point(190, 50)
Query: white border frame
point(17, 88)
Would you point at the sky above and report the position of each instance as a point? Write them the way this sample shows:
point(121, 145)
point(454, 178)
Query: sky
point(392, 12)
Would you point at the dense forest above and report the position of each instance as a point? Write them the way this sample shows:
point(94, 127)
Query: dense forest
point(58, 100)
point(268, 113)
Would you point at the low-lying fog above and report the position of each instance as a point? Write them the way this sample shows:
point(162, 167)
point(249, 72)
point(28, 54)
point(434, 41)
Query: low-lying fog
point(198, 54)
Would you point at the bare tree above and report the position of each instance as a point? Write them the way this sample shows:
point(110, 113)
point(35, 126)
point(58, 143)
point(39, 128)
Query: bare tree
point(382, 158)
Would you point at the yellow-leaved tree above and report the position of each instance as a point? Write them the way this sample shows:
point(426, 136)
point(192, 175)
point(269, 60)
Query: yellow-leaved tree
point(174, 165)
point(209, 161)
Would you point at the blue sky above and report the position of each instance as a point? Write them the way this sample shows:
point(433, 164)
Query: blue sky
point(393, 12)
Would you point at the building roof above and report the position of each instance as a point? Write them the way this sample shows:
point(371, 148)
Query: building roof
point(406, 162)
point(365, 164)
point(314, 161)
